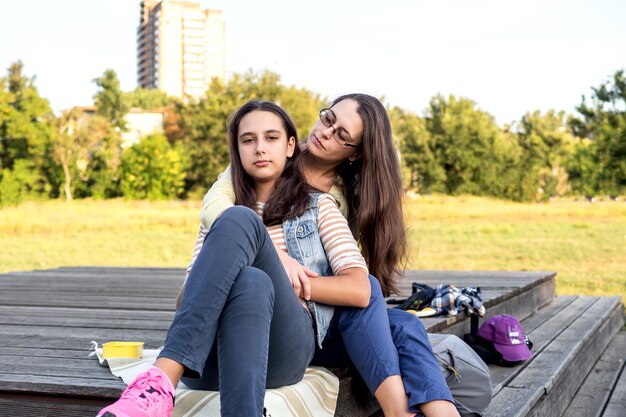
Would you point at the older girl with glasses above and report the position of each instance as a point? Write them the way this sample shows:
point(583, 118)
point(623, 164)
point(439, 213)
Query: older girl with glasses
point(240, 327)
point(349, 153)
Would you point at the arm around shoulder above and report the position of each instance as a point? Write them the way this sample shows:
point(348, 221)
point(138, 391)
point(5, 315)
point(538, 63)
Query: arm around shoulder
point(350, 288)
point(220, 196)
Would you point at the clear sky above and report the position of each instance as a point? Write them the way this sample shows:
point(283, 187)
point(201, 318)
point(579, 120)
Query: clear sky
point(510, 57)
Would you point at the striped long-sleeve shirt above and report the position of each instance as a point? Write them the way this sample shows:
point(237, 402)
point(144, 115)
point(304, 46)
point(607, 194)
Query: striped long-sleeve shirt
point(341, 248)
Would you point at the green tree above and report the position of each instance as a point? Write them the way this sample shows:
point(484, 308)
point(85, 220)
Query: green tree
point(203, 124)
point(546, 145)
point(147, 99)
point(153, 169)
point(582, 168)
point(602, 119)
point(78, 140)
point(303, 106)
point(24, 129)
point(22, 182)
point(469, 145)
point(110, 100)
point(422, 171)
point(24, 133)
point(102, 175)
point(204, 121)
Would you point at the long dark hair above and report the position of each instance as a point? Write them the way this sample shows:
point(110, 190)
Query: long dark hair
point(373, 189)
point(290, 197)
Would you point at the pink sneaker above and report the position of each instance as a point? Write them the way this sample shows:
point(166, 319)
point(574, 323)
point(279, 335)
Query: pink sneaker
point(151, 394)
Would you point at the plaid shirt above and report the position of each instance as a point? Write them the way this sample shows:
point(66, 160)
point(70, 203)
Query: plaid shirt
point(450, 300)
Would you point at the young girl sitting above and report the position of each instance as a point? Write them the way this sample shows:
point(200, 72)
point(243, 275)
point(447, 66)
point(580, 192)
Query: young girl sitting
point(240, 326)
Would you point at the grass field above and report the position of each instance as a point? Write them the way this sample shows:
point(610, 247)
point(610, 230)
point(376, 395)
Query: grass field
point(584, 243)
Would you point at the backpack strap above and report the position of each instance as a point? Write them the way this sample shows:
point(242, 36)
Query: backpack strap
point(474, 324)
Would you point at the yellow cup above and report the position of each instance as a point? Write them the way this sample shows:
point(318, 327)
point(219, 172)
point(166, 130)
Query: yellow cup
point(122, 350)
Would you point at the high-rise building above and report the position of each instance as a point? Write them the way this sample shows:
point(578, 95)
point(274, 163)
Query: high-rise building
point(180, 47)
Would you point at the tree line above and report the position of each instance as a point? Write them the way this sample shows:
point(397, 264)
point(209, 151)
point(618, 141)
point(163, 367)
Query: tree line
point(454, 147)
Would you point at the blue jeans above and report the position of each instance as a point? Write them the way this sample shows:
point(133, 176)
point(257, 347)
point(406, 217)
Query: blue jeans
point(240, 327)
point(379, 343)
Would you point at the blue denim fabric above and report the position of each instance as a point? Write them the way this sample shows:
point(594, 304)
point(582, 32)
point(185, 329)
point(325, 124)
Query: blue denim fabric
point(240, 326)
point(361, 337)
point(420, 371)
point(377, 341)
point(304, 245)
point(382, 342)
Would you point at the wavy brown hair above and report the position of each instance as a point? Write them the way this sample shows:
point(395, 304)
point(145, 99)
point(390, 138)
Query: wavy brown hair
point(291, 195)
point(373, 189)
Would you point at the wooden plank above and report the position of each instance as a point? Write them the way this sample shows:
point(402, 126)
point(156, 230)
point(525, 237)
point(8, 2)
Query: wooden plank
point(80, 317)
point(538, 318)
point(48, 406)
point(82, 288)
point(98, 294)
point(110, 268)
point(77, 340)
point(103, 270)
point(94, 278)
point(574, 373)
point(484, 275)
point(91, 313)
point(43, 352)
point(617, 402)
point(57, 367)
point(56, 385)
point(94, 301)
point(354, 399)
point(548, 368)
point(594, 393)
point(74, 337)
point(100, 322)
point(559, 353)
point(130, 279)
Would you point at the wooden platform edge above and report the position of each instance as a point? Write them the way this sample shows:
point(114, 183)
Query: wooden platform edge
point(557, 367)
point(593, 395)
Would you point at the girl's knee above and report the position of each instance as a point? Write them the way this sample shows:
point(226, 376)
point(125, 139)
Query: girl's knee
point(375, 286)
point(402, 321)
point(239, 215)
point(376, 295)
point(255, 282)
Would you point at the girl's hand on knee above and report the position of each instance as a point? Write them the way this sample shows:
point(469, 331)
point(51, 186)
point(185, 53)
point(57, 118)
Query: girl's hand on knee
point(301, 282)
point(298, 275)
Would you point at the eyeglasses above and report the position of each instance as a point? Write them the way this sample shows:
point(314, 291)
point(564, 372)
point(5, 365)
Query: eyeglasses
point(341, 135)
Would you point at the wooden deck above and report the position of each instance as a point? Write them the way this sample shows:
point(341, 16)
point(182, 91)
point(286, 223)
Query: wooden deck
point(48, 318)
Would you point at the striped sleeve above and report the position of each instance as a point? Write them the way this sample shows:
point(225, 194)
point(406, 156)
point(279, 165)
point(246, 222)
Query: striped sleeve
point(202, 232)
point(278, 236)
point(341, 248)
